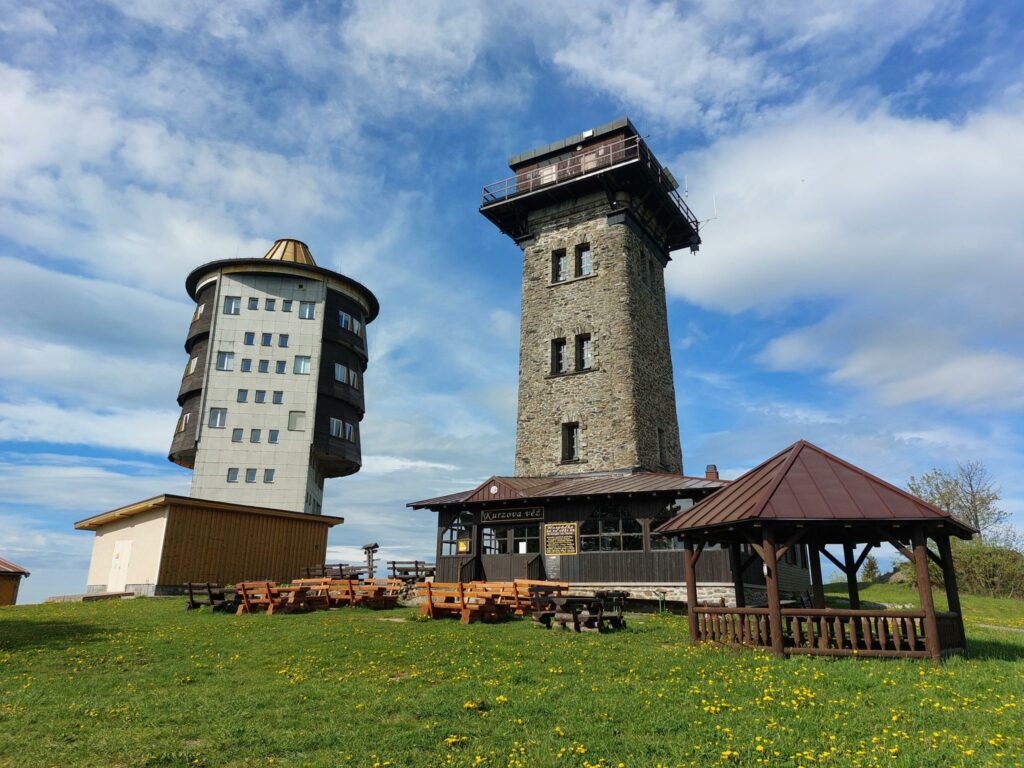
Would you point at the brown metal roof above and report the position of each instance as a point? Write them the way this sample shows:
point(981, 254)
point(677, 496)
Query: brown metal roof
point(6, 566)
point(807, 483)
point(533, 488)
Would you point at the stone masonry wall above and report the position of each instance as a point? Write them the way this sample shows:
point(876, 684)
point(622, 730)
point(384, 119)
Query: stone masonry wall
point(628, 393)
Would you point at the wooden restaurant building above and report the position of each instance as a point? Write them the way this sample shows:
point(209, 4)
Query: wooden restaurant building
point(806, 497)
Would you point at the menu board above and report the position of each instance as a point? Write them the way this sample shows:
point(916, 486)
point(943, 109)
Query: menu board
point(561, 539)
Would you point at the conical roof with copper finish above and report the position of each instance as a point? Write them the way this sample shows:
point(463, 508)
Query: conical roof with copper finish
point(295, 251)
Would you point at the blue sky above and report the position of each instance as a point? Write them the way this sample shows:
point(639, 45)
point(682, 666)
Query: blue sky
point(860, 286)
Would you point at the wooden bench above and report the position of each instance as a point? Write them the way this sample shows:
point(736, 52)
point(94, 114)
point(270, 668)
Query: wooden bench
point(379, 594)
point(467, 602)
point(411, 571)
point(541, 596)
point(207, 593)
point(265, 595)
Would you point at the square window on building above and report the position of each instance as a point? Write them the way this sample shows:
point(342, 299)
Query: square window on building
point(272, 435)
point(254, 303)
point(270, 305)
point(286, 305)
point(254, 435)
point(278, 397)
point(243, 395)
point(337, 427)
point(584, 356)
point(236, 435)
point(191, 367)
point(559, 266)
point(260, 396)
point(281, 366)
point(246, 365)
point(218, 417)
point(268, 475)
point(232, 305)
point(301, 364)
point(344, 320)
point(250, 475)
point(267, 339)
point(249, 339)
point(233, 475)
point(559, 358)
point(225, 361)
point(264, 366)
point(183, 421)
point(584, 260)
point(571, 441)
point(282, 340)
point(341, 373)
point(307, 310)
point(296, 421)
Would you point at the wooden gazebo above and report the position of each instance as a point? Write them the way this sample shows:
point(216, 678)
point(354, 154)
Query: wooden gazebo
point(805, 496)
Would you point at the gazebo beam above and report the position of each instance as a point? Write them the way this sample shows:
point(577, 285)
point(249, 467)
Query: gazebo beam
point(949, 582)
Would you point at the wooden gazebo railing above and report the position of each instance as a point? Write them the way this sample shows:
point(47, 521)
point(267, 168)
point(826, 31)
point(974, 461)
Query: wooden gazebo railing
point(832, 632)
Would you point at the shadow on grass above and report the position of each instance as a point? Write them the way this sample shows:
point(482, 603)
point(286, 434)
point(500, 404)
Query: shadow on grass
point(989, 649)
point(25, 634)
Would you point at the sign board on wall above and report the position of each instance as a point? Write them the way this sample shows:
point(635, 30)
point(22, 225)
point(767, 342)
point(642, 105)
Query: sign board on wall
point(511, 515)
point(561, 539)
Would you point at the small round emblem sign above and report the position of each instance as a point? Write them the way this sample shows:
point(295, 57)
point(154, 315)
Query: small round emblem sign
point(494, 489)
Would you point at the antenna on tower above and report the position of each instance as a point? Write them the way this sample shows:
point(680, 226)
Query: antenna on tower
point(714, 203)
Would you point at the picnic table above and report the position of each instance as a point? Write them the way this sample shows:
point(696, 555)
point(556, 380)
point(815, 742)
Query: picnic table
point(411, 570)
point(265, 595)
point(587, 613)
point(210, 594)
point(467, 601)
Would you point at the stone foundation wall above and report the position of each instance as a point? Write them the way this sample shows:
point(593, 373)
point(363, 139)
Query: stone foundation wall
point(676, 593)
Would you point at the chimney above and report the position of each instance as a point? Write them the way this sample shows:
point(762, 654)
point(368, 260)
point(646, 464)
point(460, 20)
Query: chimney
point(711, 472)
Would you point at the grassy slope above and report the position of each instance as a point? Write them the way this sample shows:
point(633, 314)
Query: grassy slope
point(144, 683)
point(977, 610)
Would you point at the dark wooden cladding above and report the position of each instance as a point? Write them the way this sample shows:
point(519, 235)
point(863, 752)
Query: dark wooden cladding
point(334, 352)
point(193, 382)
point(336, 457)
point(183, 444)
point(227, 547)
point(200, 326)
point(334, 303)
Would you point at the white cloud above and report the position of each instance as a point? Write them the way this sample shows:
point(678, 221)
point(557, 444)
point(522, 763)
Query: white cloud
point(904, 231)
point(143, 430)
point(26, 21)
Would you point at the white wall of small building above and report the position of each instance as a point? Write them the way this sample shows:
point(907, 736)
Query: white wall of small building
point(290, 457)
point(146, 534)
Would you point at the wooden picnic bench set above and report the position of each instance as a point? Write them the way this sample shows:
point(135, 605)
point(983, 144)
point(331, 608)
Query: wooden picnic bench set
point(547, 602)
point(305, 594)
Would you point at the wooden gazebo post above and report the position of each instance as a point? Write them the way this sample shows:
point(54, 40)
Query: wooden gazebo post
point(736, 564)
point(949, 582)
point(924, 589)
point(817, 584)
point(690, 572)
point(771, 578)
point(852, 587)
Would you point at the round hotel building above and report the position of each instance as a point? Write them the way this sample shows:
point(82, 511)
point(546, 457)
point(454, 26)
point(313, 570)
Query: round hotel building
point(272, 393)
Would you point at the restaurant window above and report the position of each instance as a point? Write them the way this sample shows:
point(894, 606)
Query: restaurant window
point(455, 539)
point(526, 539)
point(494, 541)
point(584, 260)
point(611, 530)
point(660, 541)
point(559, 266)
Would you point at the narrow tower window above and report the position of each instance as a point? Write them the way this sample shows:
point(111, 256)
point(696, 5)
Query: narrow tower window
point(571, 441)
point(183, 421)
point(559, 361)
point(584, 356)
point(559, 266)
point(584, 260)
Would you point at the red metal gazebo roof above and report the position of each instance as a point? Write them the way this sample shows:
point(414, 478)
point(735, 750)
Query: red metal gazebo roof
point(805, 483)
point(6, 566)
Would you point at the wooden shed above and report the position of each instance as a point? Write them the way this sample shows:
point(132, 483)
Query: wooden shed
point(154, 546)
point(10, 579)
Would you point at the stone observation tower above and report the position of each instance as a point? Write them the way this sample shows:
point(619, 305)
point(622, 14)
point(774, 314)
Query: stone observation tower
point(272, 393)
point(596, 216)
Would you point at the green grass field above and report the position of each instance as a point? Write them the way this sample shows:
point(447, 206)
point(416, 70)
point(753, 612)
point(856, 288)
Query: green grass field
point(143, 683)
